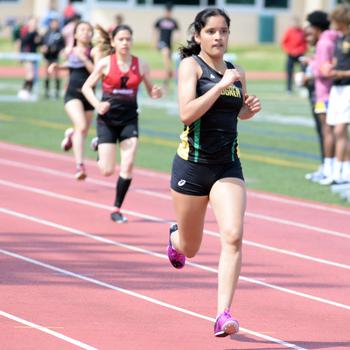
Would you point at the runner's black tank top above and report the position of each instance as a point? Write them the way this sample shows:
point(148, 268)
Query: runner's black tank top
point(212, 139)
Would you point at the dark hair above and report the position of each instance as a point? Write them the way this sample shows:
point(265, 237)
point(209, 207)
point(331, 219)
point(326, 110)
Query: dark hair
point(105, 39)
point(169, 5)
point(193, 48)
point(75, 31)
point(318, 19)
point(119, 28)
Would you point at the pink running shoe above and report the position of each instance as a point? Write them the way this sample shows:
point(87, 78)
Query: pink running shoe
point(67, 142)
point(81, 172)
point(225, 325)
point(177, 259)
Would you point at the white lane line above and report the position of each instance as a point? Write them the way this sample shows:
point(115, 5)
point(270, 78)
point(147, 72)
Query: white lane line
point(163, 256)
point(47, 330)
point(67, 158)
point(140, 296)
point(167, 197)
point(301, 225)
point(157, 219)
point(267, 218)
point(154, 174)
point(297, 203)
point(79, 201)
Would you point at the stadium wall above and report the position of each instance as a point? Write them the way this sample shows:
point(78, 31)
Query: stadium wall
point(244, 28)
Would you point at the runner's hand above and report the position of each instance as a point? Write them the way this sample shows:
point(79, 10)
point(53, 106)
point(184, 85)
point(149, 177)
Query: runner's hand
point(230, 76)
point(52, 68)
point(103, 107)
point(253, 104)
point(156, 92)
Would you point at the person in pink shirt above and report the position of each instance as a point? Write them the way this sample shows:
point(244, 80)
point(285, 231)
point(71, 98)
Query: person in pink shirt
point(295, 45)
point(324, 40)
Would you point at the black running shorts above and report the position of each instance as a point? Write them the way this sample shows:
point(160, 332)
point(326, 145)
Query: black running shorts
point(197, 179)
point(107, 133)
point(72, 94)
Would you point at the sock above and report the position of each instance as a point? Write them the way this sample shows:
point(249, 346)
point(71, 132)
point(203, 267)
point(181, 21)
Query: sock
point(58, 87)
point(328, 166)
point(47, 87)
point(346, 171)
point(25, 85)
point(346, 166)
point(122, 187)
point(29, 84)
point(337, 167)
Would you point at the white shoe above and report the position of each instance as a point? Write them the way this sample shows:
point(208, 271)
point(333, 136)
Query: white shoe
point(326, 181)
point(94, 144)
point(23, 95)
point(316, 176)
point(336, 188)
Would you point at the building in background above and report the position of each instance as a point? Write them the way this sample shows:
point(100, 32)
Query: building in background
point(253, 21)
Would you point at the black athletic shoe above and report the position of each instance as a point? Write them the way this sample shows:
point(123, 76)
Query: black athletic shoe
point(118, 217)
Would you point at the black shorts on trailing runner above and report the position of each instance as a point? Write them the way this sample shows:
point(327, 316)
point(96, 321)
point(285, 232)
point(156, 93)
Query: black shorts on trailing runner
point(107, 133)
point(72, 94)
point(197, 179)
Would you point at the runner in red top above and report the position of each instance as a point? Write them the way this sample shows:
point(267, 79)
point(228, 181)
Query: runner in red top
point(121, 74)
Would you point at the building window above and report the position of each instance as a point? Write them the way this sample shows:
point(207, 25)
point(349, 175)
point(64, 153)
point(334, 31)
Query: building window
point(177, 2)
point(240, 2)
point(277, 4)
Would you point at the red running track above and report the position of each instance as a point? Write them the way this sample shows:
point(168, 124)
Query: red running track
point(71, 278)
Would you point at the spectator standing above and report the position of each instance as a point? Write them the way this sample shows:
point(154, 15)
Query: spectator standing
point(338, 115)
point(16, 34)
point(30, 41)
point(164, 28)
point(294, 45)
point(68, 12)
point(51, 14)
point(324, 40)
point(118, 20)
point(53, 44)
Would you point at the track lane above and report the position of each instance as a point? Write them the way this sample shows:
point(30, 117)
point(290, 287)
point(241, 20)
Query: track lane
point(252, 290)
point(107, 316)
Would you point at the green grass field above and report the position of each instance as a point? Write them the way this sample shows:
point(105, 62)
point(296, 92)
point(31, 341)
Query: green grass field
point(277, 147)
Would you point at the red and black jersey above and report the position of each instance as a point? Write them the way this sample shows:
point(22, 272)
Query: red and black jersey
point(120, 90)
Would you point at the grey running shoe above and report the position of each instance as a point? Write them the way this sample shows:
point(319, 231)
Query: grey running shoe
point(118, 217)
